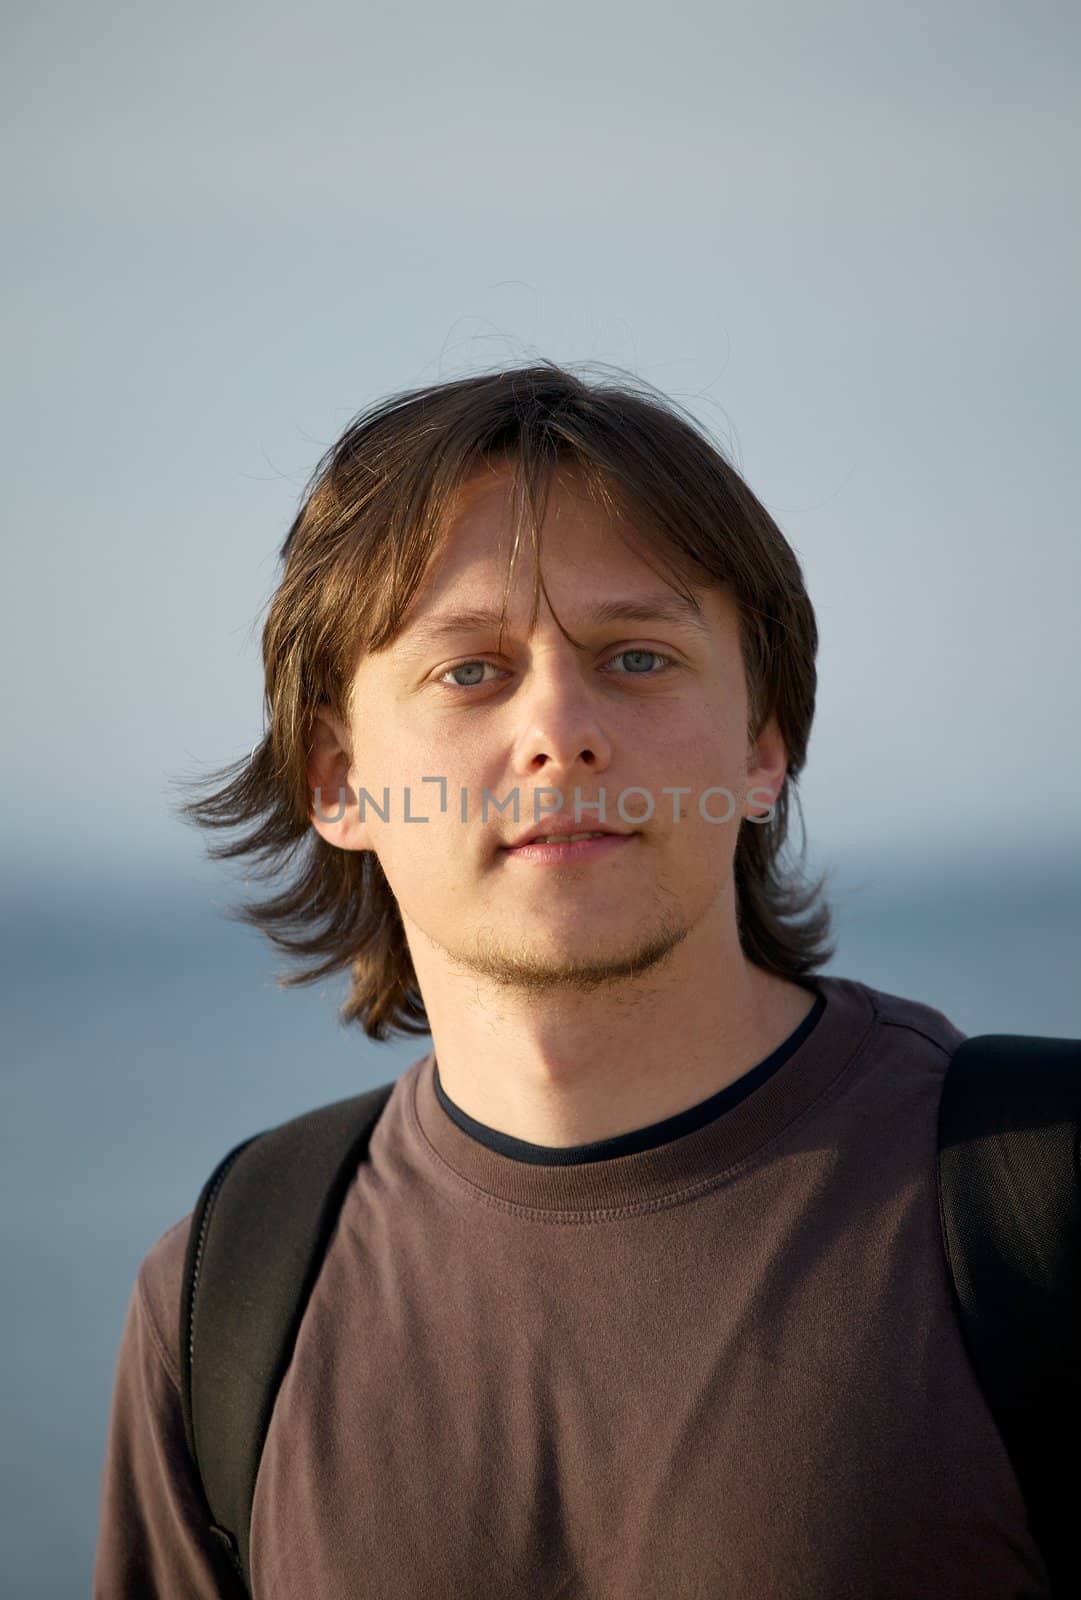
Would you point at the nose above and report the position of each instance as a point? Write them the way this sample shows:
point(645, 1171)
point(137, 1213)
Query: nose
point(561, 734)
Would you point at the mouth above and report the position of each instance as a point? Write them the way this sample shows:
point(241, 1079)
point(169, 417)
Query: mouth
point(567, 848)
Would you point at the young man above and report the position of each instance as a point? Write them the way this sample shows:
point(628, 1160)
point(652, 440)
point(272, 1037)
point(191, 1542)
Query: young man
point(640, 1291)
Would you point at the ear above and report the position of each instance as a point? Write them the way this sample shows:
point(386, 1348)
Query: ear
point(767, 763)
point(334, 813)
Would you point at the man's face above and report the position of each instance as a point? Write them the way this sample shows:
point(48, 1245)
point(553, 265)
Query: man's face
point(647, 704)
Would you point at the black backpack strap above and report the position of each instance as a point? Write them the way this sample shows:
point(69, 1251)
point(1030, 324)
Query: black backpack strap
point(258, 1237)
point(1010, 1207)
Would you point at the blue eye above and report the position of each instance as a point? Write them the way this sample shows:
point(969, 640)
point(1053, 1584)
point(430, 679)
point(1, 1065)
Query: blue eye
point(462, 668)
point(656, 654)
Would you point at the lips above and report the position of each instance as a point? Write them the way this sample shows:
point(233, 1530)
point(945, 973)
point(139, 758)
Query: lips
point(557, 830)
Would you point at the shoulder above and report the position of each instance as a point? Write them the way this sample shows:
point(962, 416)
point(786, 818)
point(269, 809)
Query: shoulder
point(160, 1279)
point(159, 1284)
point(917, 1018)
point(901, 1022)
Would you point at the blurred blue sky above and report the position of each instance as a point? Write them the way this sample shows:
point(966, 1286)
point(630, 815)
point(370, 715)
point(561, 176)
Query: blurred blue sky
point(845, 236)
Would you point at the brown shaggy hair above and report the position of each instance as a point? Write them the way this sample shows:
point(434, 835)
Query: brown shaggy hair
point(375, 511)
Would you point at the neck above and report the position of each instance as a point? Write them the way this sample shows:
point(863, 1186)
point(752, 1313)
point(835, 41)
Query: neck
point(564, 1067)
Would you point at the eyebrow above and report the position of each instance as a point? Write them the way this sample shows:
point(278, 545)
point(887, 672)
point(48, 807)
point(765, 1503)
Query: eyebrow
point(651, 608)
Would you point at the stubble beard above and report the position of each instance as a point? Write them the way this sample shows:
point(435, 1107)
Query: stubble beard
point(517, 964)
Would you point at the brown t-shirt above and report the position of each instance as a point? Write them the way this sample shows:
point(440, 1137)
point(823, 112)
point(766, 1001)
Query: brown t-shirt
point(710, 1363)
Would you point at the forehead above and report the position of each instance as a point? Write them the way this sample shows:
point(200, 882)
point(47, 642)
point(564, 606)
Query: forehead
point(598, 563)
point(485, 514)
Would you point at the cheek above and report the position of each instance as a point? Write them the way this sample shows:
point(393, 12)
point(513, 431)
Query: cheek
point(709, 752)
point(710, 764)
point(392, 772)
point(420, 859)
